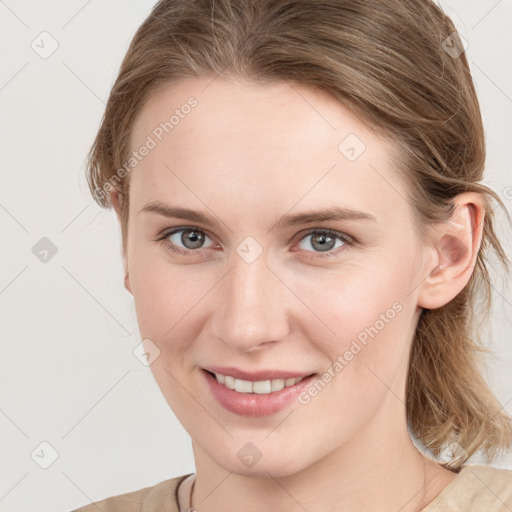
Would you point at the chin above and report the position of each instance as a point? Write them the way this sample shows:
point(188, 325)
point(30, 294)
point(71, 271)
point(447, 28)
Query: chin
point(276, 465)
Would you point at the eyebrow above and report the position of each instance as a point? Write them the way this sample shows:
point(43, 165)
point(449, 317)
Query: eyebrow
point(308, 217)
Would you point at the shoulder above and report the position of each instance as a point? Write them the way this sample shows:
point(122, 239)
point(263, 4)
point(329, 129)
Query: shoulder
point(160, 497)
point(477, 487)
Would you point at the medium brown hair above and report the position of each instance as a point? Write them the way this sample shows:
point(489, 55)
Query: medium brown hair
point(397, 64)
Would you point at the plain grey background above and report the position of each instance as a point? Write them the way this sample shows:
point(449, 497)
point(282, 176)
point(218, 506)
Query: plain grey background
point(70, 379)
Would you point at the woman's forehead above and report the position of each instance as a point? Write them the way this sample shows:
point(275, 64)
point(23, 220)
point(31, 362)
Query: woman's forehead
point(260, 142)
point(281, 114)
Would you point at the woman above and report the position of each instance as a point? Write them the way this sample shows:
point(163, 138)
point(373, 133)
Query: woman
point(305, 236)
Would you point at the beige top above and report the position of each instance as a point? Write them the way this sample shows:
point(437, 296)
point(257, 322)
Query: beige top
point(477, 488)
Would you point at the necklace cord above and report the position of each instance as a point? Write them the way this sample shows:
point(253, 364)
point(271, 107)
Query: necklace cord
point(192, 509)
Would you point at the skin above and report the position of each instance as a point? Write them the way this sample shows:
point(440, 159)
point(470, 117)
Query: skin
point(248, 154)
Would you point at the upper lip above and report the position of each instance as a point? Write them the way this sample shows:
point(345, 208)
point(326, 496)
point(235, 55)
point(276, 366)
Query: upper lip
point(258, 375)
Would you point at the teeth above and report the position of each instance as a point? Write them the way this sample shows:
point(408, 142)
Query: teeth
point(277, 384)
point(261, 387)
point(229, 381)
point(243, 386)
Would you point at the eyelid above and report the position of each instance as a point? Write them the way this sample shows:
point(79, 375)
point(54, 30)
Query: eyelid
point(348, 239)
point(169, 231)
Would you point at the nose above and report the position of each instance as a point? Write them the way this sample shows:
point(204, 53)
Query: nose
point(254, 306)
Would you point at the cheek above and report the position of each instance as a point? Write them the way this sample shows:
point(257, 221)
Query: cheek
point(163, 295)
point(167, 301)
point(362, 320)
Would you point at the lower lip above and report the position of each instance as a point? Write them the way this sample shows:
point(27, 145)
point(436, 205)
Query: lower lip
point(254, 404)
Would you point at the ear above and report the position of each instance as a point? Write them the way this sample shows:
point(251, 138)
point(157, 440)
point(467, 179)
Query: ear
point(116, 198)
point(456, 243)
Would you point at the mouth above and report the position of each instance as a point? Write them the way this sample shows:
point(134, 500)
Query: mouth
point(260, 387)
point(255, 397)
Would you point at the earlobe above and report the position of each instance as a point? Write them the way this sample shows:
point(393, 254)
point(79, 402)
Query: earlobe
point(116, 201)
point(127, 282)
point(457, 243)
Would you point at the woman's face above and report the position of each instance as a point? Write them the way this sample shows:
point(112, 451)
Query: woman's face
point(256, 287)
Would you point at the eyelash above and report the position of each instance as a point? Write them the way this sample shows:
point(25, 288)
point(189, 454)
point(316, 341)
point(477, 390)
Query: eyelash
point(346, 239)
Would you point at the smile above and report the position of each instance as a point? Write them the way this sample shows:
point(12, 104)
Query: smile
point(255, 397)
point(260, 387)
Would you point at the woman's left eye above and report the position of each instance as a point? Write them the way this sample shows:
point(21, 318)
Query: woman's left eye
point(324, 241)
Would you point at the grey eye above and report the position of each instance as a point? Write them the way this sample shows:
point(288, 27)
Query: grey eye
point(321, 242)
point(189, 238)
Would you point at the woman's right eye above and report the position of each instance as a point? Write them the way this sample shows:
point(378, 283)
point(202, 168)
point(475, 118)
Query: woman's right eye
point(190, 238)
